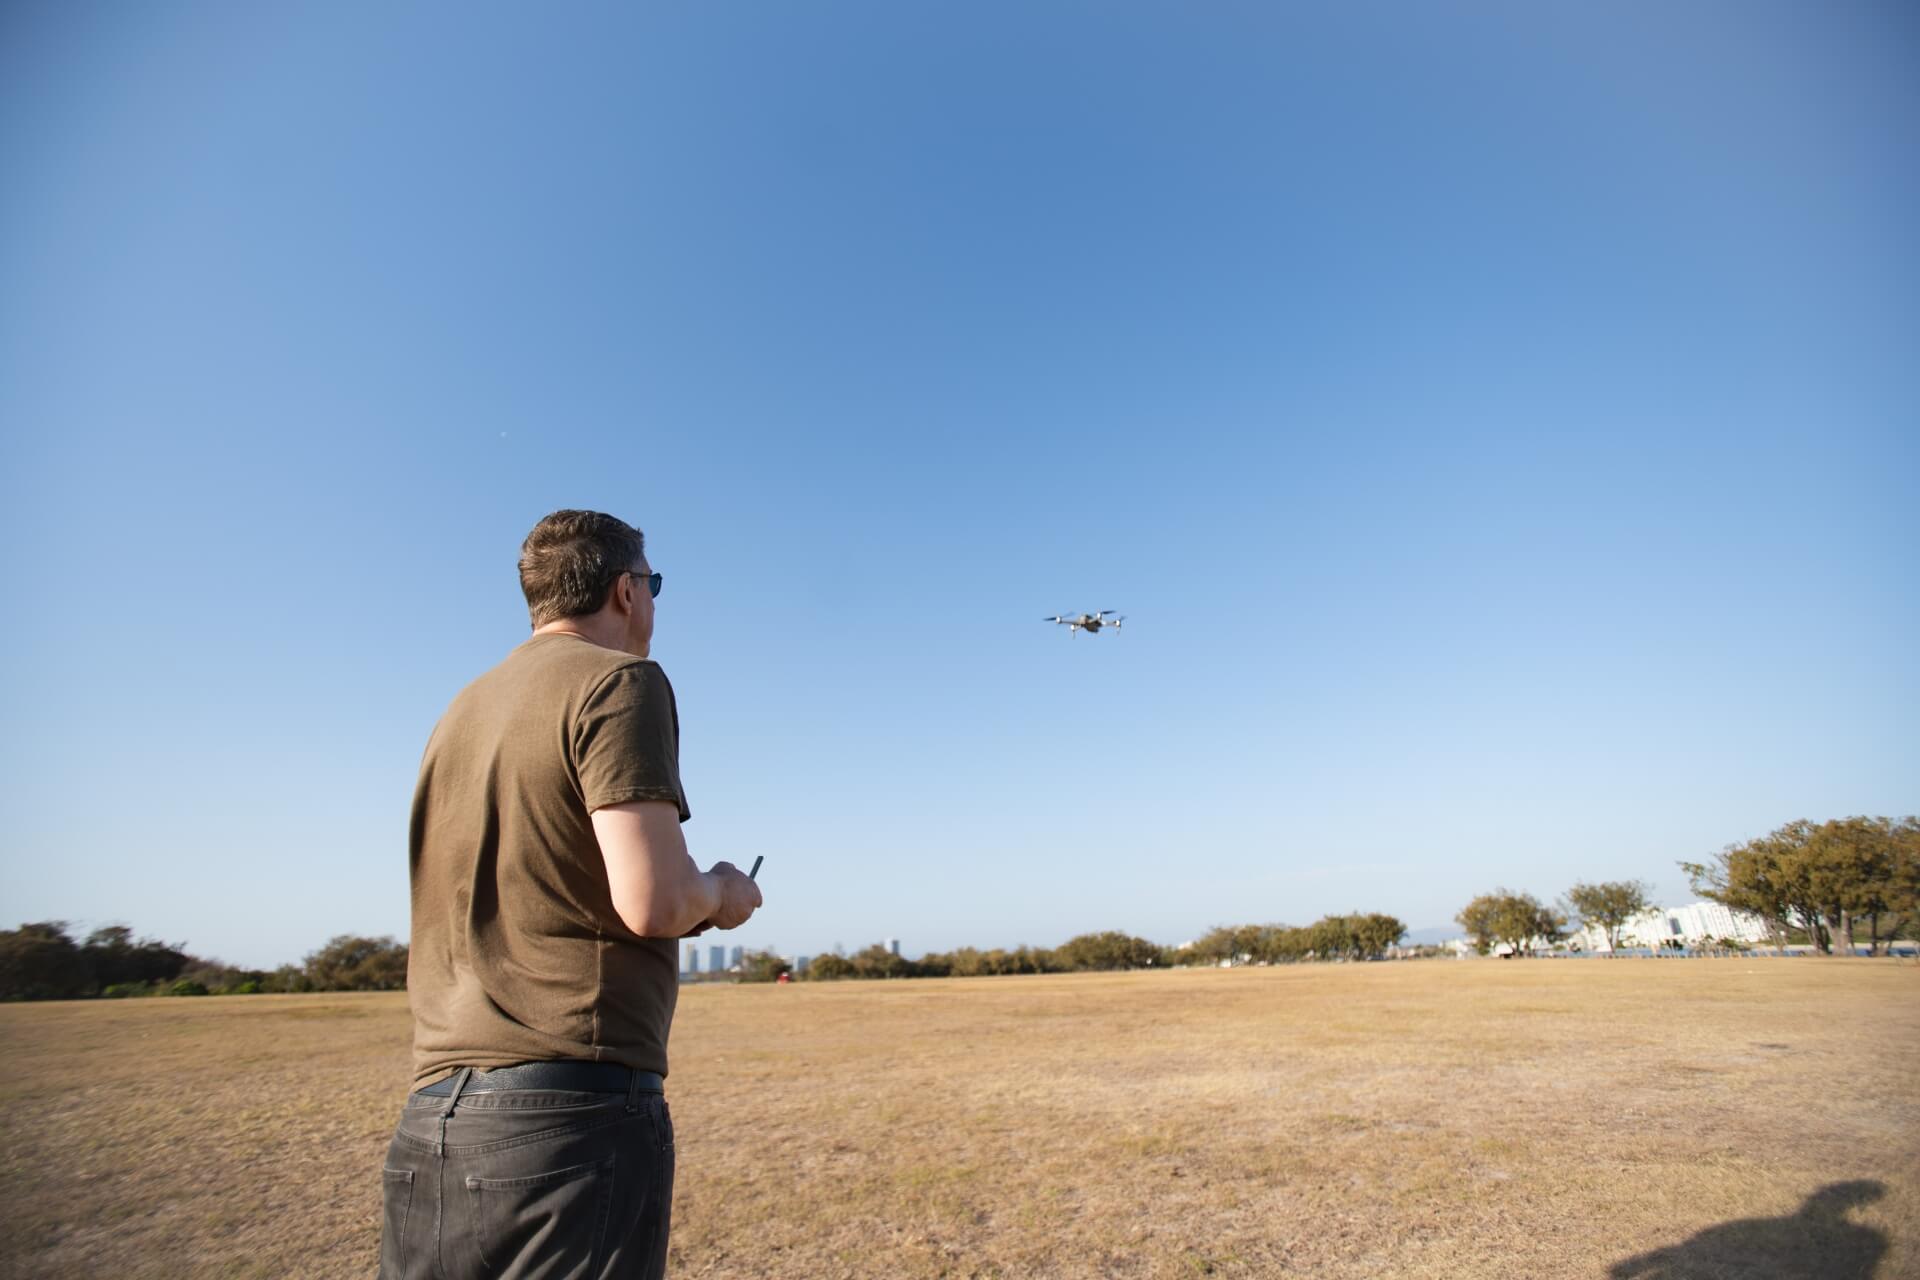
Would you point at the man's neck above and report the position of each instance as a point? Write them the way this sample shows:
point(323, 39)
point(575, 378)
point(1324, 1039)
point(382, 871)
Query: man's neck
point(591, 630)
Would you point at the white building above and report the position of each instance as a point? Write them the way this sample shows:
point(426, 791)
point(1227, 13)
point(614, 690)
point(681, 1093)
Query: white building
point(1694, 923)
point(1716, 920)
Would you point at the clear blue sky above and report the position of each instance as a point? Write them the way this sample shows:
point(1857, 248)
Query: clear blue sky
point(1500, 423)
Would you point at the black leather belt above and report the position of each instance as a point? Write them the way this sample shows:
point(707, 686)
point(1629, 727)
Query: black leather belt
point(574, 1077)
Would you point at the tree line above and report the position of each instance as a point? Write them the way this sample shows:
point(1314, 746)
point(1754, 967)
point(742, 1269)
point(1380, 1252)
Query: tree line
point(42, 961)
point(1348, 937)
point(1819, 883)
point(1808, 882)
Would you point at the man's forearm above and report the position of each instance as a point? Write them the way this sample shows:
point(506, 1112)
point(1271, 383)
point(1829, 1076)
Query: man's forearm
point(689, 902)
point(694, 905)
point(657, 890)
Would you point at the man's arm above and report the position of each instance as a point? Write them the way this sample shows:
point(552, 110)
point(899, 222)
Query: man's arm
point(656, 887)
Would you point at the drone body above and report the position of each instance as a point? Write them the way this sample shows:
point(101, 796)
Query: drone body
point(1088, 622)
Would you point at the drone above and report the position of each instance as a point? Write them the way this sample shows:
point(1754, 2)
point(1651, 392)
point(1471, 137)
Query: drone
point(1088, 622)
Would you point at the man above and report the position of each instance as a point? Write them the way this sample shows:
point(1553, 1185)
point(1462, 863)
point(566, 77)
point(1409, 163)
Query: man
point(550, 880)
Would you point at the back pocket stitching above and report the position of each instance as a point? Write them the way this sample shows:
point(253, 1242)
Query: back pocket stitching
point(539, 1179)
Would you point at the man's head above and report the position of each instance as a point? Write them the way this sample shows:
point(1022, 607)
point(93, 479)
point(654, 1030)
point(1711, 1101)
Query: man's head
point(591, 570)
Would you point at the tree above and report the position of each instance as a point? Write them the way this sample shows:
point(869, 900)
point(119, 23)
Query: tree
point(1330, 938)
point(1352, 937)
point(349, 963)
point(1373, 933)
point(1762, 878)
point(1024, 959)
point(877, 961)
point(1220, 943)
point(1819, 878)
point(1607, 906)
point(1110, 950)
point(963, 963)
point(40, 962)
point(116, 958)
point(1837, 866)
point(1266, 943)
point(1861, 868)
point(1477, 919)
point(762, 966)
point(1516, 919)
point(287, 978)
point(1896, 900)
point(966, 962)
point(225, 979)
point(1278, 943)
point(830, 968)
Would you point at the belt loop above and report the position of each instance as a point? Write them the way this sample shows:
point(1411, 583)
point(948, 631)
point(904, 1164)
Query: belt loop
point(460, 1079)
point(633, 1091)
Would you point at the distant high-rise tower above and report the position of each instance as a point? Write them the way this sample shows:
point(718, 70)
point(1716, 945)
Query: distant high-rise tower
point(716, 959)
point(693, 959)
point(800, 964)
point(735, 956)
point(893, 946)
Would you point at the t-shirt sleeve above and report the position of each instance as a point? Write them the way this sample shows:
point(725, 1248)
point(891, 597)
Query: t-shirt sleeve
point(626, 740)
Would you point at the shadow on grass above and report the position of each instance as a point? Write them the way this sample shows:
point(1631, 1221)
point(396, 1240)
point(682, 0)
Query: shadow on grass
point(1817, 1243)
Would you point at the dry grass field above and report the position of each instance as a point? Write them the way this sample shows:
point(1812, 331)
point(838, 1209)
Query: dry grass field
point(1430, 1119)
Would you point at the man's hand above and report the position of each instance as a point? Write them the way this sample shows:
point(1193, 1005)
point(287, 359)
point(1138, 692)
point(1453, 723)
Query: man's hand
point(739, 896)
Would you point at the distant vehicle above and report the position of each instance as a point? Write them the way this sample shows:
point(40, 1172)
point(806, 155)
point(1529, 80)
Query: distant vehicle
point(1088, 622)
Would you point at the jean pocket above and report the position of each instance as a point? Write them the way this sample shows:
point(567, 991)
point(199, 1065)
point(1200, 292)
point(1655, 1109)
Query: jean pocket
point(551, 1223)
point(396, 1202)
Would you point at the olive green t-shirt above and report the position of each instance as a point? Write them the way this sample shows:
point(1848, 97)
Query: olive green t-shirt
point(517, 953)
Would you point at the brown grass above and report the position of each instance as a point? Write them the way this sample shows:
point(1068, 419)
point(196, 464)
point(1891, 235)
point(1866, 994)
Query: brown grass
point(1434, 1119)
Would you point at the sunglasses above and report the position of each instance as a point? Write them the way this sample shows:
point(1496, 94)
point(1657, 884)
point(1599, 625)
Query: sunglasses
point(651, 579)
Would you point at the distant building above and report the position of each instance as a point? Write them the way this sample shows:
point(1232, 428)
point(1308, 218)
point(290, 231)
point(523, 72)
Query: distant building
point(893, 946)
point(1716, 920)
point(716, 959)
point(1695, 922)
point(800, 963)
point(738, 954)
point(692, 964)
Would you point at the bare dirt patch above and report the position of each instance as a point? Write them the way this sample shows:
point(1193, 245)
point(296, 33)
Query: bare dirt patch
point(1432, 1119)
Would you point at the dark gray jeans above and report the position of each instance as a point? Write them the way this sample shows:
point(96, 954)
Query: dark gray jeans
point(514, 1184)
